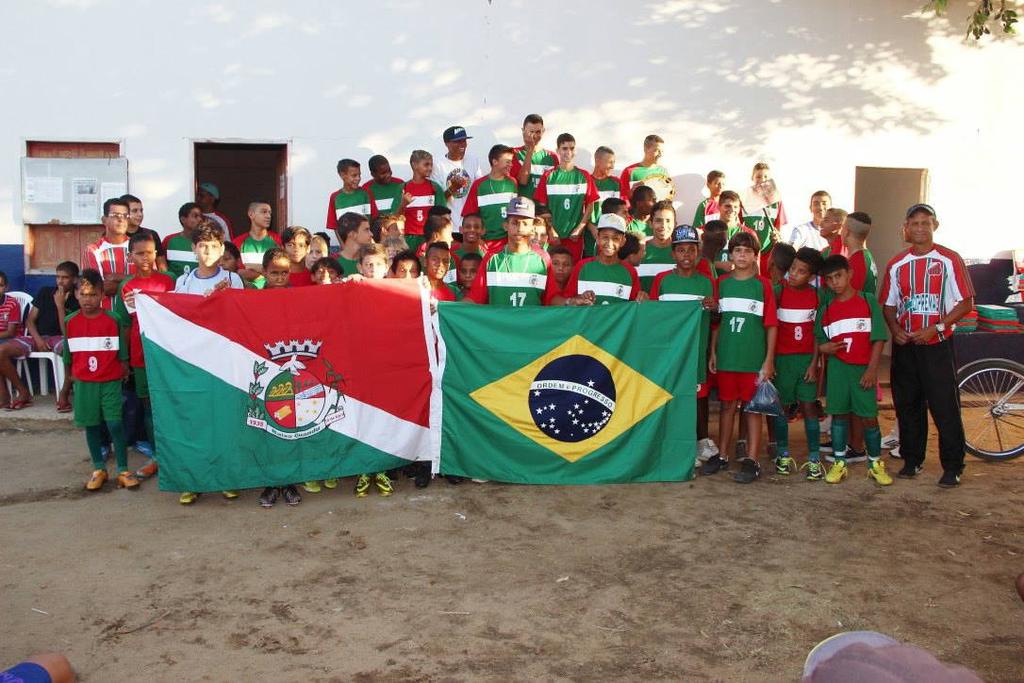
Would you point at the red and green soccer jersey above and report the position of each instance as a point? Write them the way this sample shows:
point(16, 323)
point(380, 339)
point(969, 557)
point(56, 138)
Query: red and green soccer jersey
point(94, 347)
point(425, 194)
point(863, 273)
point(386, 198)
point(180, 257)
point(10, 316)
point(566, 194)
point(252, 249)
point(635, 173)
point(706, 211)
point(855, 323)
point(359, 201)
point(610, 282)
point(507, 279)
point(796, 310)
point(671, 286)
point(748, 310)
point(156, 282)
point(924, 288)
point(490, 198)
point(541, 162)
point(656, 260)
point(108, 259)
point(762, 222)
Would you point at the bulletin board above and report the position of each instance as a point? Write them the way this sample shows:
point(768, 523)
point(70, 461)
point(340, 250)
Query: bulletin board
point(69, 191)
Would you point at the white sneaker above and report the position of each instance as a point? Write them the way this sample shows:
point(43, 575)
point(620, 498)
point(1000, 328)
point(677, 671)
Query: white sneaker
point(706, 449)
point(895, 453)
point(891, 440)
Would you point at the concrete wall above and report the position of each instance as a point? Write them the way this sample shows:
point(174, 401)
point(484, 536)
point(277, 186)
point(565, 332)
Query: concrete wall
point(816, 88)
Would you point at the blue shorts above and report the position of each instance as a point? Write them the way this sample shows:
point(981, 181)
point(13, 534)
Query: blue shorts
point(26, 672)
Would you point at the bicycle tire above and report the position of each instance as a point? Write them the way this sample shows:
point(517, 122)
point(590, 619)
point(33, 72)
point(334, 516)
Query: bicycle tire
point(986, 387)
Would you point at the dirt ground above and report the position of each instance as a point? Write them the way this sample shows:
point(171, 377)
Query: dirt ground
point(704, 580)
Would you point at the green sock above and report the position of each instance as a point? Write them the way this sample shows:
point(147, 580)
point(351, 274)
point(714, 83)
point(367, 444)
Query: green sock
point(782, 433)
point(840, 429)
point(873, 442)
point(94, 439)
point(120, 452)
point(813, 429)
point(147, 420)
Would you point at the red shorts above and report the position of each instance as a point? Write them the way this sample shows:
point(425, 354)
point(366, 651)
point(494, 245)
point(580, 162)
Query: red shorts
point(736, 386)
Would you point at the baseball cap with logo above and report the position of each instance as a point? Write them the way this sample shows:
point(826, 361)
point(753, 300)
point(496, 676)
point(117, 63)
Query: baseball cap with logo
point(455, 133)
point(685, 234)
point(211, 188)
point(521, 206)
point(921, 207)
point(612, 221)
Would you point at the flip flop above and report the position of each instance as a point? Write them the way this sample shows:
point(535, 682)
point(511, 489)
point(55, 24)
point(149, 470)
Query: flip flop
point(19, 404)
point(64, 407)
point(749, 471)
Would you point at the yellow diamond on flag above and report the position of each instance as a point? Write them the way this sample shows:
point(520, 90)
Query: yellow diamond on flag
point(572, 400)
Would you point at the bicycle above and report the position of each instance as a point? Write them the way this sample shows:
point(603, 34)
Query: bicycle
point(992, 407)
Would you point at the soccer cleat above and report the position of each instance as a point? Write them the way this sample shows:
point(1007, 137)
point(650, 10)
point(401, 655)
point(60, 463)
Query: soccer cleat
point(331, 483)
point(269, 496)
point(949, 480)
point(815, 470)
point(147, 470)
point(876, 471)
point(714, 464)
point(187, 497)
point(362, 485)
point(383, 484)
point(909, 471)
point(837, 472)
point(784, 465)
point(96, 481)
point(891, 440)
point(312, 486)
point(127, 480)
point(291, 495)
point(229, 495)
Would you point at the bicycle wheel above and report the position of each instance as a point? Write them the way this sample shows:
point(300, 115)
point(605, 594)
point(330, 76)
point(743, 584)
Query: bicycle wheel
point(992, 408)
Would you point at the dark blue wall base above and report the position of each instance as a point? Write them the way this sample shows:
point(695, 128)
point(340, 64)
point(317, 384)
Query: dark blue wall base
point(12, 262)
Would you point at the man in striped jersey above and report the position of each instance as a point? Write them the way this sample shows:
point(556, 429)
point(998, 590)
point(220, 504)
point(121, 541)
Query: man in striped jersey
point(925, 290)
point(517, 275)
point(419, 195)
point(181, 258)
point(109, 254)
point(490, 196)
point(608, 187)
point(531, 161)
point(603, 279)
point(571, 195)
point(634, 174)
point(384, 187)
point(350, 197)
point(253, 243)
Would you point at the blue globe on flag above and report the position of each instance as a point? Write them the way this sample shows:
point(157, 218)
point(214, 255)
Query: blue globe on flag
point(572, 398)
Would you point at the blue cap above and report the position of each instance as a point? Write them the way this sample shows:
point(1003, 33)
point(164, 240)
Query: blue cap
point(455, 133)
point(685, 234)
point(920, 207)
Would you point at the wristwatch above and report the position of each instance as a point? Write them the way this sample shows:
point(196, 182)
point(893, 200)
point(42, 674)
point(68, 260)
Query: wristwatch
point(941, 329)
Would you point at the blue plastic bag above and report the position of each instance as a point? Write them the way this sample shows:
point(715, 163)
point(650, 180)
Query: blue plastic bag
point(766, 400)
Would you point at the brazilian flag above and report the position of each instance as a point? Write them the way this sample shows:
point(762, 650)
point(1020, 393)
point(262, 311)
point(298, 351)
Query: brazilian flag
point(569, 395)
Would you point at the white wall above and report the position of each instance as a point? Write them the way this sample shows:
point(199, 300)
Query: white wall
point(816, 88)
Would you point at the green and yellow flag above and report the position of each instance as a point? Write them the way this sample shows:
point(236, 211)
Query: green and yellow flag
point(569, 395)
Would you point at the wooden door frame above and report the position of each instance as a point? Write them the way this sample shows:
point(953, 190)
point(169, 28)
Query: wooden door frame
point(286, 142)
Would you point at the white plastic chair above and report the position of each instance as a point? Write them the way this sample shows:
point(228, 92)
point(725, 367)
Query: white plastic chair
point(56, 362)
point(21, 364)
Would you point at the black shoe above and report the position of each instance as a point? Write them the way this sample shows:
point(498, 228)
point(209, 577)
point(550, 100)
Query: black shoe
point(909, 471)
point(422, 480)
point(269, 496)
point(714, 464)
point(453, 480)
point(749, 471)
point(853, 456)
point(949, 480)
point(291, 495)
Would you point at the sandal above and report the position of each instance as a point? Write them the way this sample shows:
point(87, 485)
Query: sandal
point(19, 404)
point(63, 406)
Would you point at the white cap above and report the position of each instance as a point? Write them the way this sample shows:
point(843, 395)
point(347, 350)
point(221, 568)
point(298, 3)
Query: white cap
point(613, 221)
